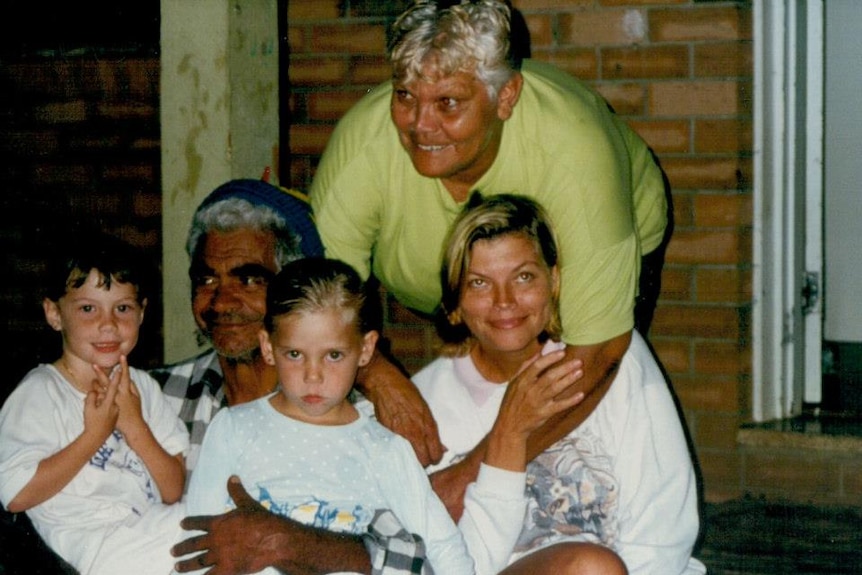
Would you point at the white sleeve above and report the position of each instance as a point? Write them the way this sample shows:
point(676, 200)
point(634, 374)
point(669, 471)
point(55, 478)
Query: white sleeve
point(658, 514)
point(493, 516)
point(160, 415)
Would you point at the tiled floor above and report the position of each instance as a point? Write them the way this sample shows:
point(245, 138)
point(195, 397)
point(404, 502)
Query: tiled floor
point(753, 537)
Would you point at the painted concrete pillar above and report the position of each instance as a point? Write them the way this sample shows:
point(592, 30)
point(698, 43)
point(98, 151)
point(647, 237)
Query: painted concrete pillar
point(219, 121)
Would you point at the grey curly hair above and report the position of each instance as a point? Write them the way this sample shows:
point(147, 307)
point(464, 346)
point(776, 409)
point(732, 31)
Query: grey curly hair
point(473, 36)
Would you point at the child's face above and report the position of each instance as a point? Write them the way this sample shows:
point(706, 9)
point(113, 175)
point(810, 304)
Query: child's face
point(317, 355)
point(98, 324)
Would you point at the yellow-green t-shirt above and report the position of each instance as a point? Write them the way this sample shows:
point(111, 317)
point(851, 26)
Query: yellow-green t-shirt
point(562, 146)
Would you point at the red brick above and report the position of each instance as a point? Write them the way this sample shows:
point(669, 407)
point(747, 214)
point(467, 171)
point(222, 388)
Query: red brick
point(331, 105)
point(370, 70)
point(145, 239)
point(147, 205)
point(602, 27)
point(626, 99)
point(664, 135)
point(126, 110)
point(645, 62)
point(640, 2)
point(700, 321)
point(580, 63)
point(676, 284)
point(727, 173)
point(93, 143)
point(349, 38)
point(728, 209)
point(674, 354)
point(723, 136)
point(296, 40)
point(312, 10)
point(541, 30)
point(700, 23)
point(74, 111)
point(318, 71)
point(703, 247)
point(65, 175)
point(309, 139)
point(137, 173)
point(711, 357)
point(723, 59)
point(153, 144)
point(710, 394)
point(300, 172)
point(729, 284)
point(527, 5)
point(702, 98)
point(683, 210)
point(109, 206)
point(143, 77)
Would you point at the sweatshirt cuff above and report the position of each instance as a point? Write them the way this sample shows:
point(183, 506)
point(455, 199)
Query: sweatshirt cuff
point(502, 482)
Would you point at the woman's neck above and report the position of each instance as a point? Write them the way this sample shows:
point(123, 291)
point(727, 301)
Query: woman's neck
point(501, 366)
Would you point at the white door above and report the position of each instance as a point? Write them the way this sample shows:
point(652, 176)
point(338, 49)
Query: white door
point(788, 176)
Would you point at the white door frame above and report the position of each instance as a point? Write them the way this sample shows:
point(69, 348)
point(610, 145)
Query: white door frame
point(788, 176)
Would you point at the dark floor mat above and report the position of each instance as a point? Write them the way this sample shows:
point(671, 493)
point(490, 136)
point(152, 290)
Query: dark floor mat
point(754, 537)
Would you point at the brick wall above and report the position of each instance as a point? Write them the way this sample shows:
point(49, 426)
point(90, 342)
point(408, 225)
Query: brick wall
point(680, 73)
point(79, 144)
point(80, 141)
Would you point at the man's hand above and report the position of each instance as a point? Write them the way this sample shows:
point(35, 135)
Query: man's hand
point(400, 407)
point(250, 538)
point(234, 543)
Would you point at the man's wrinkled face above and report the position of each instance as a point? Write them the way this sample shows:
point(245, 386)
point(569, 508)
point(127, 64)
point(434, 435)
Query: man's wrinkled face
point(229, 282)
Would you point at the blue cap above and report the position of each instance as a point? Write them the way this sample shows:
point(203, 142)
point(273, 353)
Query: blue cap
point(292, 205)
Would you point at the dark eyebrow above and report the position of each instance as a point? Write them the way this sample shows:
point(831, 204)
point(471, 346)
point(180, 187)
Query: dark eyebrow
point(252, 270)
point(199, 269)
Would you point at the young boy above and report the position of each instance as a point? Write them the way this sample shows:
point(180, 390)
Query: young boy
point(304, 451)
point(89, 447)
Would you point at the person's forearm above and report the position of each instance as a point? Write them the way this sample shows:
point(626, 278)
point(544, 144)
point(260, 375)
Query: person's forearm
point(55, 472)
point(168, 471)
point(300, 553)
point(399, 406)
point(601, 363)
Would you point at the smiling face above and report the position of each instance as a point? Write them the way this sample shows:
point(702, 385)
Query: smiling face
point(229, 289)
point(317, 354)
point(506, 296)
point(450, 126)
point(98, 324)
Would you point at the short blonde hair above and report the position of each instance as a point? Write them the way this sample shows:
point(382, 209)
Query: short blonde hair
point(484, 219)
point(472, 37)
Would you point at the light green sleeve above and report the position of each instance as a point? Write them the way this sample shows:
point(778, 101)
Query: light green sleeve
point(648, 190)
point(345, 193)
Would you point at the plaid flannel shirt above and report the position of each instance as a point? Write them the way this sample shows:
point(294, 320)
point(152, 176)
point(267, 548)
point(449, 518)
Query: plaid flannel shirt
point(195, 388)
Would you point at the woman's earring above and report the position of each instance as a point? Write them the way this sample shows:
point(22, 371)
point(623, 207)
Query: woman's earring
point(454, 317)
